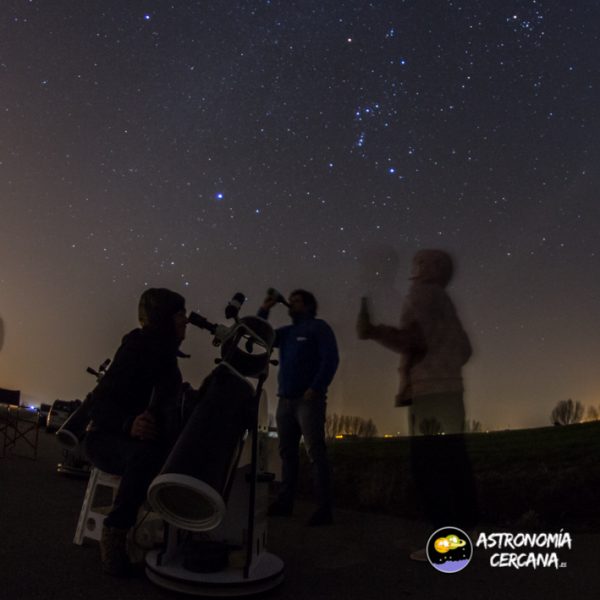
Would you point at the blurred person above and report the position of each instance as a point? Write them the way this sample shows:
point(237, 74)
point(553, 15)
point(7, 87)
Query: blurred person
point(434, 347)
point(308, 361)
point(134, 415)
point(366, 379)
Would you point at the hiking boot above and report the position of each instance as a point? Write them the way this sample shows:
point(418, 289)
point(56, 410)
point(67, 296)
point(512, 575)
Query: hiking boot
point(279, 509)
point(322, 516)
point(113, 551)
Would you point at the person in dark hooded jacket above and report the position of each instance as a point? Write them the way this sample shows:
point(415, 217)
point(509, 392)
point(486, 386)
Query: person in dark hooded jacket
point(134, 415)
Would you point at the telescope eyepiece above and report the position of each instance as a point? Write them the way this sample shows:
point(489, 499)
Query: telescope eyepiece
point(200, 321)
point(233, 307)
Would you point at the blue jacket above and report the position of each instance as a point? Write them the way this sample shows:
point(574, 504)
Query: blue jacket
point(308, 356)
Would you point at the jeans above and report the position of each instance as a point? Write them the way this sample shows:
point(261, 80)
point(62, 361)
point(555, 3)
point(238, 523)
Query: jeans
point(136, 461)
point(297, 417)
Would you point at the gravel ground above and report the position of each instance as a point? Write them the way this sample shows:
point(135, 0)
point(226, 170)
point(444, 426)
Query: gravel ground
point(361, 556)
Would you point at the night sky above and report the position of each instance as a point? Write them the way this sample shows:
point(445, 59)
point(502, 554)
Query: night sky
point(216, 147)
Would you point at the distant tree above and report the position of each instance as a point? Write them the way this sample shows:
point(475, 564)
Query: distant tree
point(430, 427)
point(349, 425)
point(333, 425)
point(343, 424)
point(473, 426)
point(567, 412)
point(354, 425)
point(592, 414)
point(330, 425)
point(370, 429)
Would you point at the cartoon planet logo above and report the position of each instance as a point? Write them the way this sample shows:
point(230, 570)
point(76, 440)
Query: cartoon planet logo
point(449, 550)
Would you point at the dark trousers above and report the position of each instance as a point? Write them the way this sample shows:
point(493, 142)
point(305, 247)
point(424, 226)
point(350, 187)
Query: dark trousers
point(297, 417)
point(136, 461)
point(440, 464)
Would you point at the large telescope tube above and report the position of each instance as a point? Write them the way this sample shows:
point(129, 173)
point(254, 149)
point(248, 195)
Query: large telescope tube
point(191, 490)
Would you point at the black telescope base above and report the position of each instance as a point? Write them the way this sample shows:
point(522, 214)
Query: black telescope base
point(265, 574)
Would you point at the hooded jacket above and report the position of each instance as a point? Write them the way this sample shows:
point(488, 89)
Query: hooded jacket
point(143, 371)
point(431, 339)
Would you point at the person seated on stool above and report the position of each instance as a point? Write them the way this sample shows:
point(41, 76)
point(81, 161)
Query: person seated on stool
point(134, 415)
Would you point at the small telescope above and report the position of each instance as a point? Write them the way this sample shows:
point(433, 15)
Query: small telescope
point(73, 429)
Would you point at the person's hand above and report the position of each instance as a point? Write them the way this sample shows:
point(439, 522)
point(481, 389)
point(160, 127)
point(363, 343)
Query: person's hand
point(269, 302)
point(310, 395)
point(144, 427)
point(364, 327)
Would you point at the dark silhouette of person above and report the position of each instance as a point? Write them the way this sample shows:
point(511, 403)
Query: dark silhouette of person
point(434, 347)
point(134, 415)
point(308, 361)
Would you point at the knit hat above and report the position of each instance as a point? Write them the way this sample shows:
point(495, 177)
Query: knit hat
point(157, 307)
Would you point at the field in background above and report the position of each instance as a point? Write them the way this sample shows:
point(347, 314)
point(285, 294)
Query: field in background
point(531, 478)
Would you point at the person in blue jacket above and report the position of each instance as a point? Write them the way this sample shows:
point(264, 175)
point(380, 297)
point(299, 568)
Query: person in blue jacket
point(308, 360)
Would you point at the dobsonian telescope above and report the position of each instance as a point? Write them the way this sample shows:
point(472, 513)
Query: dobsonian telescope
point(210, 491)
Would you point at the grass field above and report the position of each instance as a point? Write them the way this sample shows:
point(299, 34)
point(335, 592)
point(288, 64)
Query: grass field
point(532, 478)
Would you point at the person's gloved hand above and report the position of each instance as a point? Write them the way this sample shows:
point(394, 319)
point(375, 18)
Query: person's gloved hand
point(144, 427)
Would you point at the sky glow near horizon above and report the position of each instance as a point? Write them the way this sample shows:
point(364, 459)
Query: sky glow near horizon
point(222, 147)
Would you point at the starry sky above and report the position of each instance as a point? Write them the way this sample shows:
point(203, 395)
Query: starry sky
point(216, 147)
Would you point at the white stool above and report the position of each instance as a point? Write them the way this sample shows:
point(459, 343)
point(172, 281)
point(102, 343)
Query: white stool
point(91, 516)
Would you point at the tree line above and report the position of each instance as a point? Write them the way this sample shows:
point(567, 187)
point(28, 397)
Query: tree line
point(349, 426)
point(567, 412)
